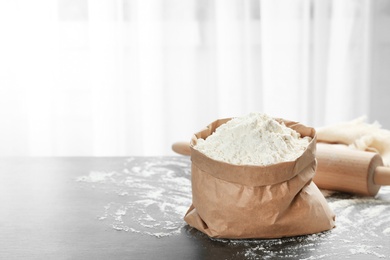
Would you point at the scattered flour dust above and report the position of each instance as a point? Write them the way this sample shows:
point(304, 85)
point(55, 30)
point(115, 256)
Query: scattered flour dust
point(151, 195)
point(254, 139)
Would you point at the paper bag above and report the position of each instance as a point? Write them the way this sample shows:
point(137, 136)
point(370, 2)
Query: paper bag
point(243, 201)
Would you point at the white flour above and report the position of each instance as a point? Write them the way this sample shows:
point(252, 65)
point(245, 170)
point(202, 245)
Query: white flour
point(151, 196)
point(255, 139)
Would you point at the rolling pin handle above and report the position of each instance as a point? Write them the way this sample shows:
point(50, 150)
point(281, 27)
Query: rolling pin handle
point(382, 175)
point(182, 148)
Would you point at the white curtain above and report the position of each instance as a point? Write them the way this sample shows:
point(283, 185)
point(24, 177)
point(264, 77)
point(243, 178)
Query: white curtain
point(130, 77)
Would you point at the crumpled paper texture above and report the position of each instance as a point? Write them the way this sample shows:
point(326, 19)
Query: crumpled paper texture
point(234, 201)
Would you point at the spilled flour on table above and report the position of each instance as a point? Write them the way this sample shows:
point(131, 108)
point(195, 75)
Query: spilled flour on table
point(152, 198)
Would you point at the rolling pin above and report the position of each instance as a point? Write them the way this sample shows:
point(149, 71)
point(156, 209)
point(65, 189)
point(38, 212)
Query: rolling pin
point(339, 168)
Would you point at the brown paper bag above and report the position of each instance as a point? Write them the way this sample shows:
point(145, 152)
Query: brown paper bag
point(234, 201)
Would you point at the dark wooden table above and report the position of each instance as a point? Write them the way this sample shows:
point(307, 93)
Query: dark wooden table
point(132, 208)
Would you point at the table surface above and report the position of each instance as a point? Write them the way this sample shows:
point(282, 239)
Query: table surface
point(133, 208)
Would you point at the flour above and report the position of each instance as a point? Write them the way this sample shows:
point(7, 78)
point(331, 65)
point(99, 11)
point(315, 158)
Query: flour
point(254, 139)
point(152, 196)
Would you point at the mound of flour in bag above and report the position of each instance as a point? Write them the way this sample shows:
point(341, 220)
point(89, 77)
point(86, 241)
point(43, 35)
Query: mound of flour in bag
point(254, 139)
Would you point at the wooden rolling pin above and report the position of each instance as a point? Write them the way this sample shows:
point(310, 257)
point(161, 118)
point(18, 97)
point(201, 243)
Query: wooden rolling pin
point(339, 168)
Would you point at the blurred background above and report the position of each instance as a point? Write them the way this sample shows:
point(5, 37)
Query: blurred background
point(130, 77)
